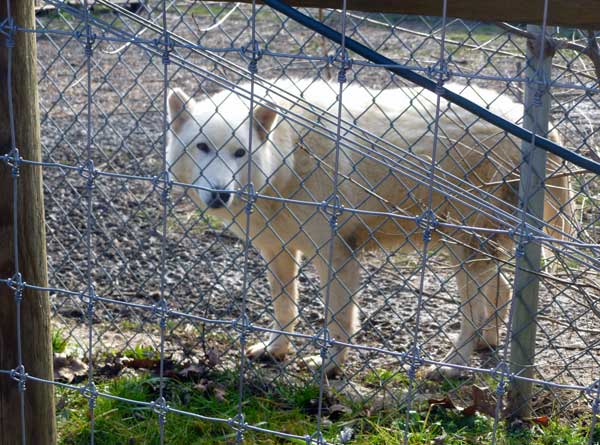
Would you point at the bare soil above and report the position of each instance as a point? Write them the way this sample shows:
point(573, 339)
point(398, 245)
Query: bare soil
point(203, 265)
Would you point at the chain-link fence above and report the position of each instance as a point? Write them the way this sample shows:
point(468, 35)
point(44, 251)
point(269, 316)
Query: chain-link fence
point(228, 189)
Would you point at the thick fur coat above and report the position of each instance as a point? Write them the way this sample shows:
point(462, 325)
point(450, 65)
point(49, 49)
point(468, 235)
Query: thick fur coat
point(382, 171)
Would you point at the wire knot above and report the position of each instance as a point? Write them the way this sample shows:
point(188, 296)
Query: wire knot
point(19, 375)
point(593, 390)
point(163, 184)
point(13, 160)
point(248, 194)
point(166, 55)
point(428, 222)
point(333, 208)
point(16, 284)
point(12, 28)
point(89, 44)
point(317, 438)
point(161, 408)
point(90, 393)
point(253, 54)
point(521, 236)
point(416, 361)
point(441, 71)
point(89, 299)
point(345, 63)
point(323, 341)
point(238, 424)
point(501, 374)
point(89, 172)
point(161, 310)
point(241, 325)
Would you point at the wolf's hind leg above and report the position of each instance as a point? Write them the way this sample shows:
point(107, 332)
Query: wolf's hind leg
point(282, 274)
point(484, 294)
point(342, 316)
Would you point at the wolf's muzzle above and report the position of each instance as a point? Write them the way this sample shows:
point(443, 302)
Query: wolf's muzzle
point(219, 199)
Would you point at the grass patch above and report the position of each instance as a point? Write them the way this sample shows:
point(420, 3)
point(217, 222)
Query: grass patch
point(118, 422)
point(442, 426)
point(139, 352)
point(285, 408)
point(59, 341)
point(382, 377)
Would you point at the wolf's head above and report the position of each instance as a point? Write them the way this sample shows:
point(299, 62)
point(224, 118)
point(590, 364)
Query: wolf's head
point(209, 144)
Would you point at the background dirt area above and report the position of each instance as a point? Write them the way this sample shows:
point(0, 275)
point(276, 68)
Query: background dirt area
point(204, 264)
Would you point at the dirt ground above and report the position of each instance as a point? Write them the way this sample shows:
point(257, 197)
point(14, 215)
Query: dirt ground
point(204, 265)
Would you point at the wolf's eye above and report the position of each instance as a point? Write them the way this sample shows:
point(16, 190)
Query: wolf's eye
point(203, 146)
point(239, 153)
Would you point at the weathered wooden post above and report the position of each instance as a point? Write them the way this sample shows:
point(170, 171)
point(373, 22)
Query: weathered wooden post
point(37, 417)
point(531, 200)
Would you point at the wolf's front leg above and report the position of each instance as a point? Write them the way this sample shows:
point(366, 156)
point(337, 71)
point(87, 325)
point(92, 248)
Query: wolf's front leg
point(340, 280)
point(282, 274)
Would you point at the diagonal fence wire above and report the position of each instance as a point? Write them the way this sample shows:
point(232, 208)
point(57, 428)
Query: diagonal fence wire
point(426, 173)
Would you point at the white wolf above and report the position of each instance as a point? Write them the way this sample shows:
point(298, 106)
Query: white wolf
point(209, 144)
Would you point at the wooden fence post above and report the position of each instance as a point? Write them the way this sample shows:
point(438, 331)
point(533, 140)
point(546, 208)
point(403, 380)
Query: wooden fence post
point(39, 412)
point(531, 199)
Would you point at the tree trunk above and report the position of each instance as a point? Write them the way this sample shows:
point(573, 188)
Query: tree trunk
point(531, 198)
point(36, 346)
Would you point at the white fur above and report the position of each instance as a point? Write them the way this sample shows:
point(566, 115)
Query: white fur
point(284, 165)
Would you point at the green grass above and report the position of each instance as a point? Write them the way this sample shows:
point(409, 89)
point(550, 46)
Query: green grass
point(381, 377)
point(140, 352)
point(479, 33)
point(438, 425)
point(286, 408)
point(59, 341)
point(118, 422)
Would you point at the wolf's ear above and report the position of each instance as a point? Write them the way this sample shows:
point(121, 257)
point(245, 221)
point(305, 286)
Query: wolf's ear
point(179, 103)
point(264, 118)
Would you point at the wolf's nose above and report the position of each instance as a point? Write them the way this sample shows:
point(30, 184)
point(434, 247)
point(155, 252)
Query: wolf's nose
point(219, 199)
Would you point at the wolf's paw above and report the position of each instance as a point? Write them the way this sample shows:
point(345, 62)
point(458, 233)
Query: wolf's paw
point(315, 362)
point(489, 342)
point(485, 346)
point(437, 373)
point(266, 351)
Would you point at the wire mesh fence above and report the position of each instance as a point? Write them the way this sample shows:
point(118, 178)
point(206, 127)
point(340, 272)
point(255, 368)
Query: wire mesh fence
point(227, 189)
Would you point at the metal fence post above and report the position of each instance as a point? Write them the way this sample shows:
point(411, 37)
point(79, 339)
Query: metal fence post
point(27, 413)
point(531, 201)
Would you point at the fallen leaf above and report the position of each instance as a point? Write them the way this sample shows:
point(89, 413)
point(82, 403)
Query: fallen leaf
point(110, 368)
point(202, 385)
point(212, 358)
point(192, 371)
point(542, 420)
point(337, 410)
point(68, 369)
point(483, 402)
point(470, 410)
point(138, 363)
point(446, 402)
point(219, 393)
